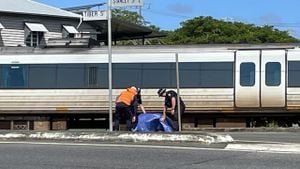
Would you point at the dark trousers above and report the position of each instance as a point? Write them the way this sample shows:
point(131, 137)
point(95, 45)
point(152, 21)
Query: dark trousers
point(123, 113)
point(174, 117)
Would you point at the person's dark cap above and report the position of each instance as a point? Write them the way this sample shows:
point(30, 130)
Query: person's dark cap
point(139, 90)
point(161, 91)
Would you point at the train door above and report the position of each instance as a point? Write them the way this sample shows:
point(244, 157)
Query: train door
point(260, 78)
point(273, 81)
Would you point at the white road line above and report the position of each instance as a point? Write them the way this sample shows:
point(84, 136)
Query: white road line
point(229, 147)
point(261, 142)
point(111, 145)
point(266, 147)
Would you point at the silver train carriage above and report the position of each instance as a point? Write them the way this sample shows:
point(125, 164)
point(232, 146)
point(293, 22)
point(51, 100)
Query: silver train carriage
point(222, 85)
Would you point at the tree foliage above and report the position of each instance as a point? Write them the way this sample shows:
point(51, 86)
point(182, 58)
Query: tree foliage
point(133, 17)
point(128, 16)
point(207, 30)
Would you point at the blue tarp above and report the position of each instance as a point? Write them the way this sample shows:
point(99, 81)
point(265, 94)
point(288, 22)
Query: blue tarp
point(150, 122)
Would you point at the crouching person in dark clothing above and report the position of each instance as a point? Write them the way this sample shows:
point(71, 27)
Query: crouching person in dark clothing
point(171, 102)
point(126, 107)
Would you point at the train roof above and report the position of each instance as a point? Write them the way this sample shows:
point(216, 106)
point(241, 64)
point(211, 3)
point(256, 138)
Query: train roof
point(149, 49)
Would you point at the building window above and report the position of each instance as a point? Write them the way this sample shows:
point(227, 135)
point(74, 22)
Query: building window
point(71, 35)
point(34, 34)
point(34, 39)
point(247, 74)
point(273, 74)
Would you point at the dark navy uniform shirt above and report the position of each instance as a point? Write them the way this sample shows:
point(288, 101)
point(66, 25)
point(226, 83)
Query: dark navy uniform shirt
point(168, 99)
point(139, 98)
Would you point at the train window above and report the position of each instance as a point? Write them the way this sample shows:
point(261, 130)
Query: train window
point(71, 76)
point(155, 75)
point(247, 74)
point(206, 74)
point(144, 75)
point(42, 76)
point(126, 74)
point(294, 73)
point(14, 76)
point(190, 75)
point(51, 76)
point(102, 72)
point(273, 74)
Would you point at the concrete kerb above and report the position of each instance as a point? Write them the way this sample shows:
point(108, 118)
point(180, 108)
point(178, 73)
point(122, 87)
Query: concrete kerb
point(257, 129)
point(199, 138)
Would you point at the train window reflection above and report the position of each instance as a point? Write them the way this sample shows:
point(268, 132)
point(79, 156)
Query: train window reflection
point(144, 75)
point(41, 76)
point(273, 76)
point(14, 76)
point(247, 74)
point(206, 74)
point(125, 75)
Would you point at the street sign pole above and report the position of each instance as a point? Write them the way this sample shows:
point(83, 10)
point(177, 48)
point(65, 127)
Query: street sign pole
point(109, 39)
point(109, 65)
point(178, 92)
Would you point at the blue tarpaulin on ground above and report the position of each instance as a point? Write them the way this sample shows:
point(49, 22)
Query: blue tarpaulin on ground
point(150, 122)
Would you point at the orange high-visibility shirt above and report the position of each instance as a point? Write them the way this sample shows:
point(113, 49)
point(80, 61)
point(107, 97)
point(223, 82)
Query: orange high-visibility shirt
point(127, 96)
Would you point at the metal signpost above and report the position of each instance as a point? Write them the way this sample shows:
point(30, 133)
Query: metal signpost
point(109, 65)
point(114, 3)
point(178, 93)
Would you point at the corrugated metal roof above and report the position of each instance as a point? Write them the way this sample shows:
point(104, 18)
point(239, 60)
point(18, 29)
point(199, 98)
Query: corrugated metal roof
point(32, 7)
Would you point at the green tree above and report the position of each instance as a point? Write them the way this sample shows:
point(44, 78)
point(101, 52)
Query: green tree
point(128, 16)
point(211, 31)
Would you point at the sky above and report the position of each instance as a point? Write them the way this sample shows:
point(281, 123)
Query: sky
point(168, 14)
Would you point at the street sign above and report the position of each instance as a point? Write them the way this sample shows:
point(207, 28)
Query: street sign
point(122, 3)
point(94, 15)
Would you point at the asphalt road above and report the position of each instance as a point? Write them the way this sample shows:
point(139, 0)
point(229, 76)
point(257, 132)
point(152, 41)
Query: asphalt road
point(28, 156)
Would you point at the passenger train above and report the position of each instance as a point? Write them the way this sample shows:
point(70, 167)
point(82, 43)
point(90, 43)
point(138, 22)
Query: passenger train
point(221, 85)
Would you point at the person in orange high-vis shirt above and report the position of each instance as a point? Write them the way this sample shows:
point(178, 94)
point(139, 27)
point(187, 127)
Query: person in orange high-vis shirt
point(126, 107)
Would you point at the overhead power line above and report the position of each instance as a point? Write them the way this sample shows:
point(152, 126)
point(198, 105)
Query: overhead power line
point(167, 14)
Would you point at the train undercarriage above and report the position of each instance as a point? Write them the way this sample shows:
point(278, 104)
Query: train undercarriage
point(190, 121)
